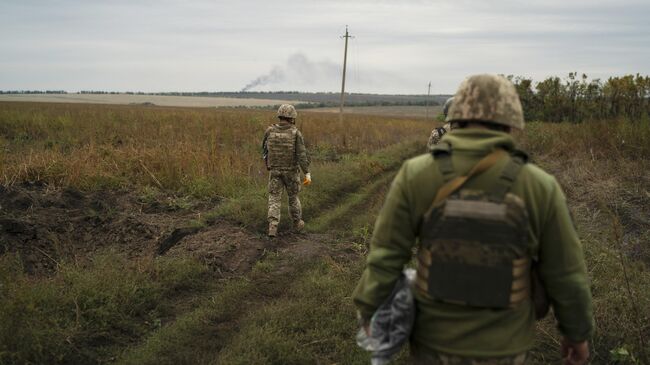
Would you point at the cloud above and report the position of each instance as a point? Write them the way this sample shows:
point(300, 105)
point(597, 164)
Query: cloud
point(296, 45)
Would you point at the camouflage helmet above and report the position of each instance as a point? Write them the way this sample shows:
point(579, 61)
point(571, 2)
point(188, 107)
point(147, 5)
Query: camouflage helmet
point(488, 98)
point(287, 111)
point(445, 108)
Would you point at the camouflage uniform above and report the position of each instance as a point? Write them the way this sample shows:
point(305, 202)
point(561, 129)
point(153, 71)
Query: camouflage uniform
point(285, 156)
point(437, 133)
point(448, 332)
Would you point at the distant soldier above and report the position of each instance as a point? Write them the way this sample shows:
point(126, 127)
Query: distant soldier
point(437, 133)
point(492, 230)
point(285, 155)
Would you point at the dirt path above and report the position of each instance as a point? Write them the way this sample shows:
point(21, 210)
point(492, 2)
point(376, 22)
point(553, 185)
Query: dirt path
point(48, 226)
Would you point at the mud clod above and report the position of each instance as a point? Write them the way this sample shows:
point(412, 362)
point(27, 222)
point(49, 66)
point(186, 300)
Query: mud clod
point(175, 237)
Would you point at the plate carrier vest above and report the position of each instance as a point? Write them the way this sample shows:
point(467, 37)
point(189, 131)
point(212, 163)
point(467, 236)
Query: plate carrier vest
point(474, 243)
point(281, 145)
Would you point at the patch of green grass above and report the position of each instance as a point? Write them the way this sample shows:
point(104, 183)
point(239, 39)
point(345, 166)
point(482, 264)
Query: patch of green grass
point(149, 194)
point(351, 213)
point(194, 337)
point(313, 322)
point(200, 187)
point(197, 336)
point(85, 314)
point(332, 184)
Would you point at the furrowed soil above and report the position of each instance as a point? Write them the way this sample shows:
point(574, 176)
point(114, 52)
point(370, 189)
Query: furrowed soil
point(45, 226)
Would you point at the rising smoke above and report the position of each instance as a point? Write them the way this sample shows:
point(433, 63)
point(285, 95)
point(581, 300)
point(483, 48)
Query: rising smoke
point(298, 71)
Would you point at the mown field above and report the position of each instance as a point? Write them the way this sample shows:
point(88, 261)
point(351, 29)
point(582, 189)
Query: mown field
point(135, 234)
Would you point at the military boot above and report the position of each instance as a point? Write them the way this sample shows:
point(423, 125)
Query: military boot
point(273, 230)
point(298, 226)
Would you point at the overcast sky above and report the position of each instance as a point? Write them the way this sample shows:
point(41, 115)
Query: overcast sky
point(399, 46)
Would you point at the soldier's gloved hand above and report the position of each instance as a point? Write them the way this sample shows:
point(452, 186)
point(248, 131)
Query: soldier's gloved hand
point(307, 180)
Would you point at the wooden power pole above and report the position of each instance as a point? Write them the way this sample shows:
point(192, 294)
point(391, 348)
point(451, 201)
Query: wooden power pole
point(426, 103)
point(345, 61)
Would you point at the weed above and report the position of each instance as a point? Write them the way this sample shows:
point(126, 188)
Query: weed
point(149, 194)
point(81, 314)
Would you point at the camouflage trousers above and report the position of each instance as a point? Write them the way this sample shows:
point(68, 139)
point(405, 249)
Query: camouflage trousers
point(427, 358)
point(278, 182)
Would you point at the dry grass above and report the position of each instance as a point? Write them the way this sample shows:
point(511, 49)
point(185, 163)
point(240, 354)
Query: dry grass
point(604, 169)
point(196, 151)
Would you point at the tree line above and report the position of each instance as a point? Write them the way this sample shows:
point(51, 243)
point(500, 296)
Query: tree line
point(577, 99)
point(33, 92)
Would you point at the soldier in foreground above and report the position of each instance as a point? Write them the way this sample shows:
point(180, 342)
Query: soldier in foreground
point(285, 155)
point(437, 133)
point(483, 217)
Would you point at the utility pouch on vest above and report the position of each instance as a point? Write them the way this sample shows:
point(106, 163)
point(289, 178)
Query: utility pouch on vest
point(474, 247)
point(281, 145)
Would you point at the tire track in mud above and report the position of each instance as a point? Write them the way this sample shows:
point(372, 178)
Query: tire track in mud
point(266, 267)
point(260, 279)
point(360, 203)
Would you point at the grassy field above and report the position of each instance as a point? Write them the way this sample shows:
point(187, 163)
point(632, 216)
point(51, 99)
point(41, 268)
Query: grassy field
point(160, 100)
point(406, 111)
point(134, 234)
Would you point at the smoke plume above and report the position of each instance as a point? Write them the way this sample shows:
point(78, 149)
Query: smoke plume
point(298, 71)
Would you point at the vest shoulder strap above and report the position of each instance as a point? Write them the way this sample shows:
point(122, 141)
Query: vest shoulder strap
point(508, 175)
point(442, 154)
point(456, 183)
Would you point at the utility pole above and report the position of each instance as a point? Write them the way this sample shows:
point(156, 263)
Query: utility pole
point(426, 103)
point(345, 61)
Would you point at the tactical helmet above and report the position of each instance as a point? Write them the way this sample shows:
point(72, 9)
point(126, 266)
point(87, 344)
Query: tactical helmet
point(488, 98)
point(287, 111)
point(445, 108)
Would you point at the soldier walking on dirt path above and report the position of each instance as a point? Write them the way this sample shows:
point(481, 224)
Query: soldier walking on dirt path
point(496, 243)
point(285, 155)
point(437, 133)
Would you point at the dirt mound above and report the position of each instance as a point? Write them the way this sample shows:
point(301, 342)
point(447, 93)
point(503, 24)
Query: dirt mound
point(228, 249)
point(46, 226)
point(232, 251)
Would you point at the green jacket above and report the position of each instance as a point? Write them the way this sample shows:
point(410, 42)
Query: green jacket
point(467, 331)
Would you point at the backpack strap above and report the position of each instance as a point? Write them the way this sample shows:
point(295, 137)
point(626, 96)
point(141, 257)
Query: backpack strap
point(442, 154)
point(452, 185)
point(508, 175)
